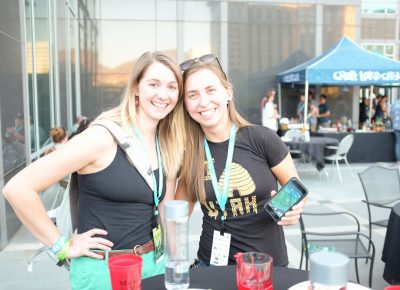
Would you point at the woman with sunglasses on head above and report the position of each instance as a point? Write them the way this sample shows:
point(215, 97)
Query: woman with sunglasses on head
point(119, 211)
point(231, 167)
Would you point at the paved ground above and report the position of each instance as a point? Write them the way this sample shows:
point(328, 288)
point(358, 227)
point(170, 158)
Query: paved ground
point(326, 194)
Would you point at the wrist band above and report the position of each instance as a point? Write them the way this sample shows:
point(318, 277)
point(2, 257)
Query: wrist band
point(58, 245)
point(63, 253)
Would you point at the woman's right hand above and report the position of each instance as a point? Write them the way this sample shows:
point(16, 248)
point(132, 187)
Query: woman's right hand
point(82, 244)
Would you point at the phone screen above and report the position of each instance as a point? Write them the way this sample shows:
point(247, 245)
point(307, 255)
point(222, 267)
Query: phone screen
point(289, 195)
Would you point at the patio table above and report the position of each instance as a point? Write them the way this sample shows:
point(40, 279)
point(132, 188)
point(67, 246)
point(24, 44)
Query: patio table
point(314, 149)
point(224, 278)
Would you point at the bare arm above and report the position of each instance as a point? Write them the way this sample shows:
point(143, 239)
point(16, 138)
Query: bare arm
point(182, 195)
point(83, 153)
point(283, 172)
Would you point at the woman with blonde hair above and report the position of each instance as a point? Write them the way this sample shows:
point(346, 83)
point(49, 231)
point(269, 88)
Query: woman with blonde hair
point(118, 212)
point(231, 167)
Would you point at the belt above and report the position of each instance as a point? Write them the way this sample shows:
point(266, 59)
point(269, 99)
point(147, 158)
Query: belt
point(137, 250)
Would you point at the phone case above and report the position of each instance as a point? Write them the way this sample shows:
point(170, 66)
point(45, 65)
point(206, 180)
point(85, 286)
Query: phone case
point(283, 201)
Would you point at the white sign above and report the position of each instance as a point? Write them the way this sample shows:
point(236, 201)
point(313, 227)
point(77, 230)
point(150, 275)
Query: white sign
point(366, 76)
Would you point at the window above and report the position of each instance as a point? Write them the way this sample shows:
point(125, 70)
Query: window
point(379, 7)
point(380, 48)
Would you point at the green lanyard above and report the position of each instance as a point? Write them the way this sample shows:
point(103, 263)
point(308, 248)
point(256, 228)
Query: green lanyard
point(156, 193)
point(222, 197)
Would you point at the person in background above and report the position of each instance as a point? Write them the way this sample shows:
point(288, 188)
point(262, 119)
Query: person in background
point(300, 108)
point(222, 146)
point(395, 115)
point(78, 120)
point(324, 112)
point(364, 113)
point(312, 112)
point(381, 110)
point(270, 114)
point(59, 137)
point(17, 133)
point(118, 211)
point(83, 125)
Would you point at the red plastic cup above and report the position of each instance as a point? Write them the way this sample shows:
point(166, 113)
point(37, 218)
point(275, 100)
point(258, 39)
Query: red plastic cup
point(254, 271)
point(126, 272)
point(393, 287)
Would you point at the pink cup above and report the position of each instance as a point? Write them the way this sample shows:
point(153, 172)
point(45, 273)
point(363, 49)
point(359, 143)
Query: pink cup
point(393, 287)
point(126, 272)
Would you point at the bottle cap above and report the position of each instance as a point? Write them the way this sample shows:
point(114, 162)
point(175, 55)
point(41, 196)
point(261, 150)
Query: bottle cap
point(176, 209)
point(329, 268)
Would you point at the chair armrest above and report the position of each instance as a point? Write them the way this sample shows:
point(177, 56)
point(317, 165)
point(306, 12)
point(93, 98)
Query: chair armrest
point(347, 233)
point(331, 147)
point(383, 205)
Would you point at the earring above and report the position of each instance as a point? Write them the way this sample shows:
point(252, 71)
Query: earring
point(137, 103)
point(228, 102)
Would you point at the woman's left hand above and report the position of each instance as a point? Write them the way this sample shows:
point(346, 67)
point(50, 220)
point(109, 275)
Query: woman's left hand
point(292, 217)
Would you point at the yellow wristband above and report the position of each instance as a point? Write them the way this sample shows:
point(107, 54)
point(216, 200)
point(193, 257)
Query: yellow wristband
point(63, 251)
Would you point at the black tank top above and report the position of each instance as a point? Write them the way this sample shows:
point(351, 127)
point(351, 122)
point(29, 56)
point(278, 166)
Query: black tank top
point(118, 200)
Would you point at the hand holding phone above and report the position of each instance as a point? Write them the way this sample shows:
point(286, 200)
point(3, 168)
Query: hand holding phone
point(288, 196)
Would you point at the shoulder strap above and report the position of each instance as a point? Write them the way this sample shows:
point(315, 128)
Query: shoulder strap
point(132, 147)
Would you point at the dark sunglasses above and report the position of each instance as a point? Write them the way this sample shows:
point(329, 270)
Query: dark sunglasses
point(207, 58)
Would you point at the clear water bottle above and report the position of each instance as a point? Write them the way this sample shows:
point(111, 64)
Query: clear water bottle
point(176, 244)
point(328, 271)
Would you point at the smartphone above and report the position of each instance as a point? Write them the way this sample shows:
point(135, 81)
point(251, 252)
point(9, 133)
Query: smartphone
point(283, 201)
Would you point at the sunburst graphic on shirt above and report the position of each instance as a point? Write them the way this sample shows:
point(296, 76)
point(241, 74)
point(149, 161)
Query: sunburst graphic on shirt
point(240, 182)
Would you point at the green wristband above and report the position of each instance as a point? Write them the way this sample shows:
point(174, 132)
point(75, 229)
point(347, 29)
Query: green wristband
point(64, 249)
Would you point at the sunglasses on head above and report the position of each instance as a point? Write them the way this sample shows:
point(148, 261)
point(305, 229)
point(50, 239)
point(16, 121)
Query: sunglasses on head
point(207, 58)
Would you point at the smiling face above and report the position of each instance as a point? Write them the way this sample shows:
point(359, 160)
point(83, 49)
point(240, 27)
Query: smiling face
point(158, 93)
point(206, 101)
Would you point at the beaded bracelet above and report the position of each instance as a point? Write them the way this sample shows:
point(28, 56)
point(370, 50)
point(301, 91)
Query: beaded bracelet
point(63, 253)
point(58, 245)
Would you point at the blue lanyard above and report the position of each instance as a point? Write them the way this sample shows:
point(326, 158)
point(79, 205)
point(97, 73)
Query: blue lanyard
point(156, 193)
point(222, 197)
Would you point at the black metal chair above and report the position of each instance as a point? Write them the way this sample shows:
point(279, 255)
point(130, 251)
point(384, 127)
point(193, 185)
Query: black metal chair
point(352, 243)
point(382, 190)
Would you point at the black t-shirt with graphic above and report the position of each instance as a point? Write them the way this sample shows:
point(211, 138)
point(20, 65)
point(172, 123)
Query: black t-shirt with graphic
point(257, 150)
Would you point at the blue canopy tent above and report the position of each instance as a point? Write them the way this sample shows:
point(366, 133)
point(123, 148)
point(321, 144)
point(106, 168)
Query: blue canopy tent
point(345, 64)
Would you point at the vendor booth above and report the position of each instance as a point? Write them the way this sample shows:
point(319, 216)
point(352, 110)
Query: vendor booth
point(345, 64)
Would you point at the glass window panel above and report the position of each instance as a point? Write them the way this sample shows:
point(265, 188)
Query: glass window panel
point(202, 10)
point(73, 50)
point(378, 28)
point(338, 21)
point(132, 9)
point(166, 37)
point(29, 68)
point(166, 10)
point(389, 49)
point(197, 39)
point(379, 7)
point(238, 12)
point(42, 69)
point(129, 38)
point(61, 55)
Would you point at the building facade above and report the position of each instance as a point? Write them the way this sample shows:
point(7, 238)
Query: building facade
point(60, 59)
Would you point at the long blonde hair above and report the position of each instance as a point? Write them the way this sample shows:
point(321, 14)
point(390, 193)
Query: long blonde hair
point(170, 129)
point(193, 167)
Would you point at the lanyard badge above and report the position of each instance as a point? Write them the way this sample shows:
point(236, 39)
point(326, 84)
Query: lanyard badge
point(157, 191)
point(221, 240)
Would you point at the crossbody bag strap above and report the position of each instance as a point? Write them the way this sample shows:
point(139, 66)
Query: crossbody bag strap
point(133, 149)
